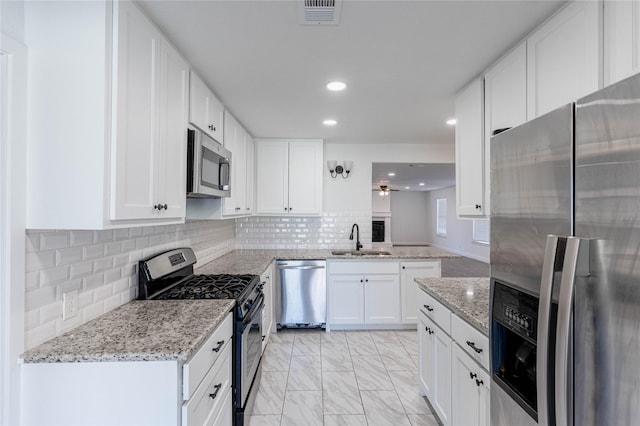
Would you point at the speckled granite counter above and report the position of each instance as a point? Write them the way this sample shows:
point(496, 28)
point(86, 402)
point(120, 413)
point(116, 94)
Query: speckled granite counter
point(466, 297)
point(155, 330)
point(257, 261)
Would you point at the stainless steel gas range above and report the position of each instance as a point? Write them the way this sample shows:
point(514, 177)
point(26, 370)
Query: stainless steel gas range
point(170, 275)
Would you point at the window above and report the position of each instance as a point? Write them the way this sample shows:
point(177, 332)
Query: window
point(481, 231)
point(441, 216)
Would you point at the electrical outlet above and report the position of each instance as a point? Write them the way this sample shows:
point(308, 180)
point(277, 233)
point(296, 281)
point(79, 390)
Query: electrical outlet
point(69, 304)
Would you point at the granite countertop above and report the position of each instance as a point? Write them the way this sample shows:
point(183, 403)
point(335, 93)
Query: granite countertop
point(466, 297)
point(141, 330)
point(257, 261)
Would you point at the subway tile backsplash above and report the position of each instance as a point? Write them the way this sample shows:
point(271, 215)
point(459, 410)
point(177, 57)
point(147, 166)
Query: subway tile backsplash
point(331, 230)
point(101, 265)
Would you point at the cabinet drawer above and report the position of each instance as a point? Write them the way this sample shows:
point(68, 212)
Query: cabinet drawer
point(210, 396)
point(196, 368)
point(434, 310)
point(469, 338)
point(364, 267)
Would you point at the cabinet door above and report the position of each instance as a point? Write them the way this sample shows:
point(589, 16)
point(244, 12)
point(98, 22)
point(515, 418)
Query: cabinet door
point(408, 287)
point(563, 58)
point(470, 150)
point(134, 171)
point(382, 299)
point(346, 299)
point(470, 390)
point(442, 375)
point(215, 112)
point(425, 356)
point(199, 103)
point(305, 177)
point(234, 143)
point(225, 414)
point(272, 177)
point(505, 104)
point(621, 40)
point(267, 312)
point(250, 153)
point(172, 139)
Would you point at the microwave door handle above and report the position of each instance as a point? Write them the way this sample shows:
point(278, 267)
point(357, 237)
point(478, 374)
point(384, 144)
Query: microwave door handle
point(224, 164)
point(544, 312)
point(576, 263)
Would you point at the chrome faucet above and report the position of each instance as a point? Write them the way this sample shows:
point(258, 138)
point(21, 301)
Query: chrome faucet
point(358, 245)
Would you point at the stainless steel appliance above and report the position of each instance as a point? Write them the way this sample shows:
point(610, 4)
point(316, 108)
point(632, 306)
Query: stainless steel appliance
point(301, 293)
point(169, 275)
point(208, 166)
point(565, 264)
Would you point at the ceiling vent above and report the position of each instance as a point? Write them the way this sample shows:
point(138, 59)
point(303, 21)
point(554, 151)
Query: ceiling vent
point(320, 12)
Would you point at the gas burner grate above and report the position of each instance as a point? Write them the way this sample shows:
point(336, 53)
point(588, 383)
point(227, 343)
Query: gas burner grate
point(210, 287)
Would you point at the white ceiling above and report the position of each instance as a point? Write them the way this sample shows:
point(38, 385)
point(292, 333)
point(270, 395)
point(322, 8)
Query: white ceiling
point(403, 61)
point(434, 176)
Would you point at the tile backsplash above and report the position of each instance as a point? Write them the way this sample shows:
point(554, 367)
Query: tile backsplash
point(101, 265)
point(331, 230)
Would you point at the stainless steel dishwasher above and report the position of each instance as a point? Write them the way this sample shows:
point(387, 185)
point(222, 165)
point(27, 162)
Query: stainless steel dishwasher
point(301, 293)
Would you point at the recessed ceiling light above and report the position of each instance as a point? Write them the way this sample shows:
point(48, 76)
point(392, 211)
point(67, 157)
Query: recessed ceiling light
point(329, 122)
point(391, 174)
point(451, 122)
point(336, 86)
point(421, 184)
point(406, 187)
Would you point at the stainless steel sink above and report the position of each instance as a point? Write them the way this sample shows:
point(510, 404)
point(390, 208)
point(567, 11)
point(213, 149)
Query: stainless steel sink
point(360, 253)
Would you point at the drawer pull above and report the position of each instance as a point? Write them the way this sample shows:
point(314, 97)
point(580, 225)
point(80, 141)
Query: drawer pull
point(479, 382)
point(472, 375)
point(221, 342)
point(217, 388)
point(428, 308)
point(473, 346)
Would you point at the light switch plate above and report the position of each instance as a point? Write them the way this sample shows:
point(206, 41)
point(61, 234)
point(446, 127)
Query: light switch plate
point(69, 304)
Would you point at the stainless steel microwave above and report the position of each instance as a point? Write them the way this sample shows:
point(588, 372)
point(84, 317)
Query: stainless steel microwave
point(208, 166)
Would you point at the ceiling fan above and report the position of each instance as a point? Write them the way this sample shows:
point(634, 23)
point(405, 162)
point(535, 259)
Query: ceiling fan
point(384, 190)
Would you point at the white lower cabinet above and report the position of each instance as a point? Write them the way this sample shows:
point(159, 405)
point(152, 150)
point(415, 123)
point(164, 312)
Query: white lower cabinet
point(470, 390)
point(196, 392)
point(409, 289)
point(435, 367)
point(364, 293)
point(267, 311)
point(453, 365)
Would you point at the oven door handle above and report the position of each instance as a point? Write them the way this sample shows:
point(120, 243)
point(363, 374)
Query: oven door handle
point(256, 306)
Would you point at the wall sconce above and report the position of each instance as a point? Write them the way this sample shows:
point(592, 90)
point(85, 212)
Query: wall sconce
point(336, 169)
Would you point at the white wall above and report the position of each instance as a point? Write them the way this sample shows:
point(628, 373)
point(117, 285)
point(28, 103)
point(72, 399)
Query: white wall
point(409, 218)
point(12, 19)
point(354, 193)
point(459, 238)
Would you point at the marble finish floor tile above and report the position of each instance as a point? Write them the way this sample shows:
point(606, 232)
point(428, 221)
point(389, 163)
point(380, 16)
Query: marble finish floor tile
point(340, 393)
point(270, 397)
point(345, 420)
point(383, 408)
point(423, 420)
point(335, 357)
point(333, 337)
point(302, 408)
point(265, 420)
point(283, 336)
point(277, 356)
point(408, 337)
point(384, 336)
point(306, 345)
point(408, 390)
point(305, 374)
point(371, 373)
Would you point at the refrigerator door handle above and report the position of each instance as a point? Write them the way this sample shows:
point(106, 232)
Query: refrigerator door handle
point(544, 312)
point(575, 264)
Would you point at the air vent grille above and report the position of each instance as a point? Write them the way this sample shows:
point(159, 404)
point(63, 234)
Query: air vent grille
point(320, 12)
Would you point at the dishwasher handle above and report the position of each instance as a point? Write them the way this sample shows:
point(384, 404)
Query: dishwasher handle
point(284, 266)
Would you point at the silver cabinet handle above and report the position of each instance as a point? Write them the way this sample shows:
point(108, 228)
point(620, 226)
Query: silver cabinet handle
point(546, 287)
point(300, 267)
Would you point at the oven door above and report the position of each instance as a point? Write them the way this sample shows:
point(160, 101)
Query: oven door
point(250, 336)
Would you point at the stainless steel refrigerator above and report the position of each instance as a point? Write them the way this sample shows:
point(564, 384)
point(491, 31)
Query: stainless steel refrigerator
point(565, 264)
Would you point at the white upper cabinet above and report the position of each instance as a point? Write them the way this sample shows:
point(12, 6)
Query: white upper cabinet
point(505, 104)
point(564, 60)
point(289, 177)
point(150, 114)
point(111, 152)
point(621, 39)
point(470, 166)
point(206, 112)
